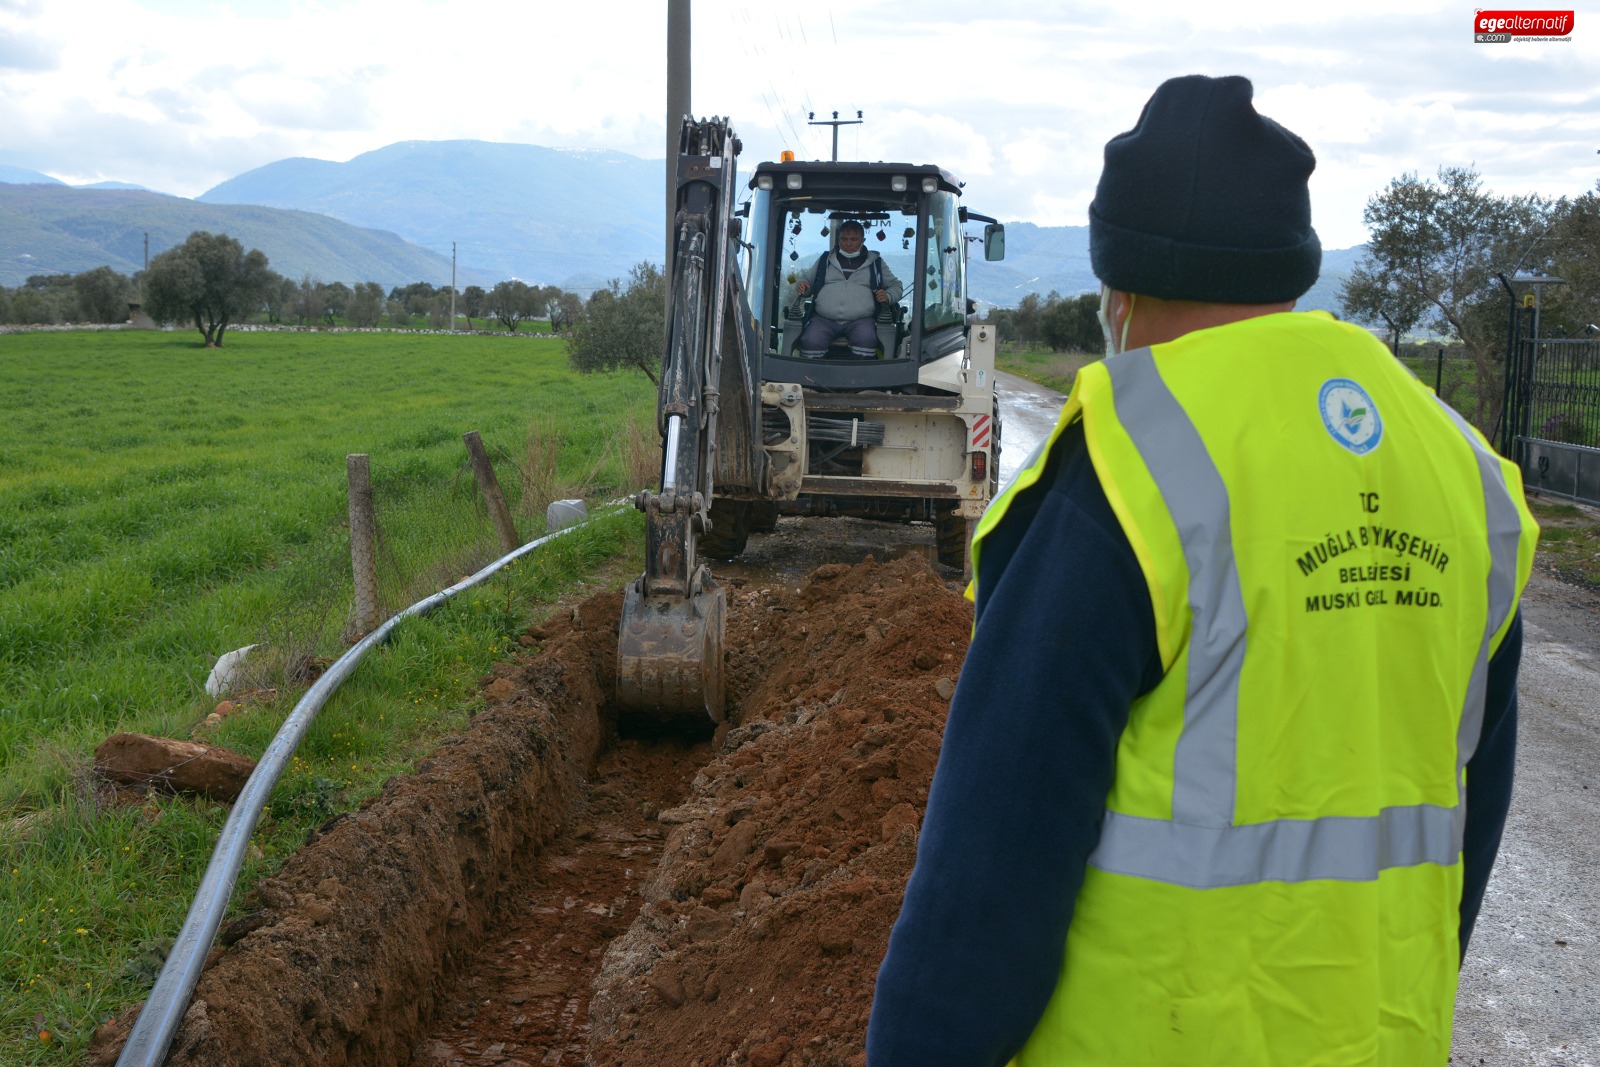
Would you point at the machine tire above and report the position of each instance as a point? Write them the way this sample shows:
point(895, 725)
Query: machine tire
point(763, 516)
point(730, 530)
point(951, 530)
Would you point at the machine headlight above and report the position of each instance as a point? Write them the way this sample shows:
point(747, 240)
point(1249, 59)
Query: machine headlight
point(763, 181)
point(898, 183)
point(794, 181)
point(930, 185)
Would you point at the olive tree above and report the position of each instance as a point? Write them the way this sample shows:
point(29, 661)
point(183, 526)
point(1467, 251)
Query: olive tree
point(279, 297)
point(1432, 259)
point(471, 303)
point(210, 279)
point(1072, 323)
point(335, 299)
point(513, 301)
point(1574, 247)
point(566, 311)
point(623, 328)
point(365, 309)
point(309, 302)
point(32, 306)
point(102, 295)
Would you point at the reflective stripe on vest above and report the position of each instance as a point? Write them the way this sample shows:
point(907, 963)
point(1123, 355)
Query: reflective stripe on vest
point(1201, 847)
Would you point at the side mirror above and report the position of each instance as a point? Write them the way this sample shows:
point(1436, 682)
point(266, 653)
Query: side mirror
point(994, 242)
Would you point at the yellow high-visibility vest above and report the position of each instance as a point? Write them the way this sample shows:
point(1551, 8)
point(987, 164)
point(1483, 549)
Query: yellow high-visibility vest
point(1332, 556)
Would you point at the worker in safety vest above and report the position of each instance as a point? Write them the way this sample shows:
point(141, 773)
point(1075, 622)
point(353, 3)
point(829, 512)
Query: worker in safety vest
point(1231, 752)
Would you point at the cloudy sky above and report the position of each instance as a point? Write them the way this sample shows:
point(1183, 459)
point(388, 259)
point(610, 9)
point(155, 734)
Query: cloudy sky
point(1014, 96)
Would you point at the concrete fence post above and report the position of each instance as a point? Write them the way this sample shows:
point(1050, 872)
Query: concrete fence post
point(490, 488)
point(363, 554)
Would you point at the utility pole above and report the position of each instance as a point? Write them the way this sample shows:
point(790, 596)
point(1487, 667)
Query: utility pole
point(678, 68)
point(835, 122)
point(147, 250)
point(452, 287)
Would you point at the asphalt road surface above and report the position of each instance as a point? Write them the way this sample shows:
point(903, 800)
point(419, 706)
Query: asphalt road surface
point(1027, 415)
point(1530, 986)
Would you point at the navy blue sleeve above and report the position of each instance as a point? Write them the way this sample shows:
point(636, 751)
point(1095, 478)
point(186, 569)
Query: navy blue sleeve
point(1064, 643)
point(1489, 775)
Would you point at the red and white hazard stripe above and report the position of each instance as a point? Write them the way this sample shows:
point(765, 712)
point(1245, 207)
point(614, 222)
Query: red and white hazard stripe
point(980, 432)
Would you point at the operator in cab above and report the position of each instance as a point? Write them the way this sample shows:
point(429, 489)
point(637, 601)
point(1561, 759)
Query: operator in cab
point(850, 284)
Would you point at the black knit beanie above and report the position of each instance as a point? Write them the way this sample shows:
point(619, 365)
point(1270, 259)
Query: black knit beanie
point(1204, 199)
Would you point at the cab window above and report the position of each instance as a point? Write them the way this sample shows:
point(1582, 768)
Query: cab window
point(944, 287)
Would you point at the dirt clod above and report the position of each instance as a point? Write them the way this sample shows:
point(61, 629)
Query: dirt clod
point(167, 765)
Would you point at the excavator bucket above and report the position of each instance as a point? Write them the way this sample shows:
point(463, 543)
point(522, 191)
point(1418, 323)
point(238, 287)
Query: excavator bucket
point(669, 654)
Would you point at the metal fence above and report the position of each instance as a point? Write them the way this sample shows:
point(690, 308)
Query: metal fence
point(1551, 425)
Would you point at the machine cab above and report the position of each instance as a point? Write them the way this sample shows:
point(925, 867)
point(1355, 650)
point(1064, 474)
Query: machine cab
point(912, 217)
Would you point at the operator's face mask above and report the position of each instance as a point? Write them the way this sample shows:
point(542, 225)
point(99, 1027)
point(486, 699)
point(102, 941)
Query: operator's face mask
point(1113, 344)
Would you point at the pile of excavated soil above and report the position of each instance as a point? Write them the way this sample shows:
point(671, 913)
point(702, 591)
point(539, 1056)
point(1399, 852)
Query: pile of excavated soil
point(765, 921)
point(540, 893)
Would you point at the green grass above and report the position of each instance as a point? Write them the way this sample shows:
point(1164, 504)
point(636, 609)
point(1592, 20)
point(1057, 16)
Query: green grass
point(161, 504)
point(1569, 540)
point(1053, 370)
point(1454, 380)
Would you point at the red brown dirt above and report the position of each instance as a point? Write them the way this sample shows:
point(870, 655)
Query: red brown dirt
point(765, 922)
point(525, 997)
point(543, 892)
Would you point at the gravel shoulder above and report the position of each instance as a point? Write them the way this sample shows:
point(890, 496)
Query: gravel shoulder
point(1530, 985)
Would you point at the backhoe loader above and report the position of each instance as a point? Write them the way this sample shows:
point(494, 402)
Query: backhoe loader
point(753, 428)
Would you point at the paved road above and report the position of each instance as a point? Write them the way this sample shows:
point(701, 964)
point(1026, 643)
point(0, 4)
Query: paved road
point(1530, 986)
point(1027, 415)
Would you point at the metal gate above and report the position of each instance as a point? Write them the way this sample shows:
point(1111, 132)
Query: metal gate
point(1551, 421)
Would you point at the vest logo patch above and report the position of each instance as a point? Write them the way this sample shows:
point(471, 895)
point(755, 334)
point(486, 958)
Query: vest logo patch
point(1350, 415)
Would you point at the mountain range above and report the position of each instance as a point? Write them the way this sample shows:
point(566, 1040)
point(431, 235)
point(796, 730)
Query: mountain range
point(56, 229)
point(570, 217)
point(1040, 259)
point(24, 176)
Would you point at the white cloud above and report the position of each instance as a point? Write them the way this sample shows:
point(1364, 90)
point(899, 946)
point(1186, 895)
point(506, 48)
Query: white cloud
point(1058, 210)
point(1028, 157)
point(1015, 97)
point(26, 52)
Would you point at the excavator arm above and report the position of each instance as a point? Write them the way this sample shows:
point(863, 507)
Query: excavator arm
point(669, 660)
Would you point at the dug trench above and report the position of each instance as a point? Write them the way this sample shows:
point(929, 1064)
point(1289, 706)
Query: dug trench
point(557, 885)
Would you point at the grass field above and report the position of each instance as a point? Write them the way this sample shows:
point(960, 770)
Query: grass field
point(161, 504)
point(1053, 370)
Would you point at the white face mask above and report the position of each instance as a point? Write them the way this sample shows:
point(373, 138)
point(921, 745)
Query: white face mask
point(1113, 344)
